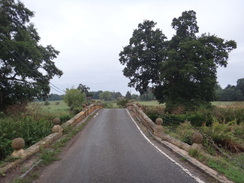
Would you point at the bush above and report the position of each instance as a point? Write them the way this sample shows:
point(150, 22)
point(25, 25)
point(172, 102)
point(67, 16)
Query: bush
point(46, 103)
point(74, 99)
point(200, 119)
point(122, 102)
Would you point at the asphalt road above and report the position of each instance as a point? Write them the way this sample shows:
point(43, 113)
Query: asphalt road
point(112, 149)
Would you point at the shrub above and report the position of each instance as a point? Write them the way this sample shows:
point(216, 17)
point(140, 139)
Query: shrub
point(74, 99)
point(173, 120)
point(46, 103)
point(122, 102)
point(200, 119)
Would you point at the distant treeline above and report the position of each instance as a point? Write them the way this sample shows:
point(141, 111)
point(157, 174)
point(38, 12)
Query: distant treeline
point(231, 92)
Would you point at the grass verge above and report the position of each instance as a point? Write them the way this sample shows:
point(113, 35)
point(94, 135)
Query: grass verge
point(222, 165)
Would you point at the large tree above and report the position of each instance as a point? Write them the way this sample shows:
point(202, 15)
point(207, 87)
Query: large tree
point(181, 71)
point(26, 67)
point(143, 56)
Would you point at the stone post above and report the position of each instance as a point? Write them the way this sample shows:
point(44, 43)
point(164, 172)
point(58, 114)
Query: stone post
point(158, 128)
point(57, 128)
point(197, 139)
point(18, 145)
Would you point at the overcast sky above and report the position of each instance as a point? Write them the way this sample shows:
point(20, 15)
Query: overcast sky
point(91, 33)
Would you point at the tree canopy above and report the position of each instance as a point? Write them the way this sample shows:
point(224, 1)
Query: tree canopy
point(181, 71)
point(26, 67)
point(74, 99)
point(106, 96)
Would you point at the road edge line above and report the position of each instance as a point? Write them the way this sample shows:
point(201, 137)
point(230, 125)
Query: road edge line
point(184, 169)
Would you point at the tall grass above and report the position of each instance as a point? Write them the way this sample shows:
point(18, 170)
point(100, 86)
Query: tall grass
point(28, 128)
point(32, 123)
point(223, 129)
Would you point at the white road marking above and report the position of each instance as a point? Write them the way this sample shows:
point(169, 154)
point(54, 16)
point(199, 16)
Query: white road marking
point(184, 169)
point(96, 115)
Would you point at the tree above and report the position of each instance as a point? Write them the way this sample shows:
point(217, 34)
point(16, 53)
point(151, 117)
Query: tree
point(128, 95)
point(74, 99)
point(106, 95)
point(84, 89)
point(134, 96)
point(143, 56)
point(231, 92)
point(53, 97)
point(95, 94)
point(240, 85)
point(218, 91)
point(148, 95)
point(26, 67)
point(181, 71)
point(116, 95)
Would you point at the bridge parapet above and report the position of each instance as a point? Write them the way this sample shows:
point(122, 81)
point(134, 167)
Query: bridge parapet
point(155, 129)
point(23, 154)
point(142, 117)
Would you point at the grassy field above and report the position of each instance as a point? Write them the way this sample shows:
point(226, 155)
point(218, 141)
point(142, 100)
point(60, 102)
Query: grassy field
point(227, 103)
point(55, 106)
point(149, 103)
point(216, 103)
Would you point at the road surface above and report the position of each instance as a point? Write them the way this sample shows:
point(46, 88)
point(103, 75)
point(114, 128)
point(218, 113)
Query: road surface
point(112, 149)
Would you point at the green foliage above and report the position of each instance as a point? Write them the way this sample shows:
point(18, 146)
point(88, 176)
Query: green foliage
point(108, 105)
point(231, 92)
point(32, 124)
point(147, 96)
point(55, 97)
point(230, 171)
point(60, 109)
point(128, 95)
point(49, 156)
point(185, 132)
point(200, 118)
point(194, 153)
point(26, 127)
point(228, 136)
point(234, 112)
point(223, 137)
point(240, 85)
point(122, 102)
point(182, 70)
point(74, 99)
point(106, 96)
point(84, 89)
point(143, 56)
point(26, 67)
